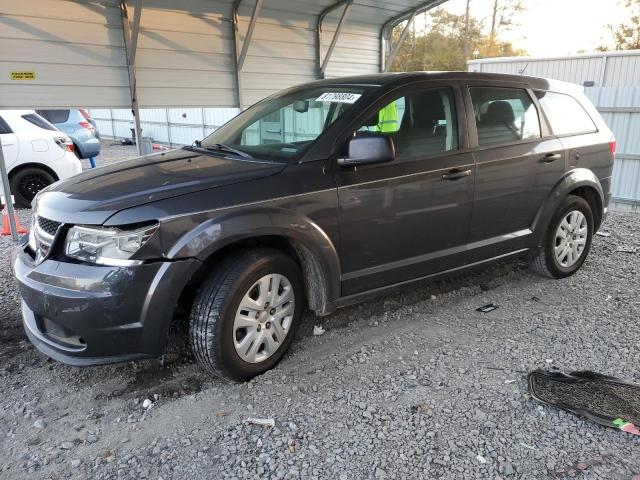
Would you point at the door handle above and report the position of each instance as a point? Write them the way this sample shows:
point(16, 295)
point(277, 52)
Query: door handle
point(456, 174)
point(551, 157)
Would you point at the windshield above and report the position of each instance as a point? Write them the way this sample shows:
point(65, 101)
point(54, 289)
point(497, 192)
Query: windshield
point(285, 125)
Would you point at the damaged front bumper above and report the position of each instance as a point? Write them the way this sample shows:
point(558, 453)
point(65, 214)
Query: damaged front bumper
point(83, 314)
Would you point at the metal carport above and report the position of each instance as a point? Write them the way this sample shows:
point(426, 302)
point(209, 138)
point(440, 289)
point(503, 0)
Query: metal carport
point(218, 53)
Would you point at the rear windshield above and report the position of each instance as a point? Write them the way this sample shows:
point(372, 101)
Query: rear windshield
point(55, 116)
point(38, 121)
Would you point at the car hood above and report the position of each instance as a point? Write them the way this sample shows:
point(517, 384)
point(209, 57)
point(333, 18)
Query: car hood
point(93, 196)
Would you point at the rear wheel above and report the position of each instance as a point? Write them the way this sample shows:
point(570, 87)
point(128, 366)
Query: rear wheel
point(27, 182)
point(246, 314)
point(568, 239)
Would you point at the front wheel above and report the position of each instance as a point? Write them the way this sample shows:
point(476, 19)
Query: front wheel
point(568, 239)
point(246, 314)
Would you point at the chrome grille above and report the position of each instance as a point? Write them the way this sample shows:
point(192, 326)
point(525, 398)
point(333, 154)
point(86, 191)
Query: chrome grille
point(42, 236)
point(50, 227)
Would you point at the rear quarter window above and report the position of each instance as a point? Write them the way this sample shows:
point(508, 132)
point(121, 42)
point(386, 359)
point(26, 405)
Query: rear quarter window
point(38, 121)
point(565, 114)
point(4, 127)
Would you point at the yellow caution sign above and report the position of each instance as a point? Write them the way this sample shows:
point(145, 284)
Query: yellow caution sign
point(22, 75)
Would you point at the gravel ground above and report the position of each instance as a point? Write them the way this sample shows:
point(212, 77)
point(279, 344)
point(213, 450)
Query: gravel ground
point(415, 385)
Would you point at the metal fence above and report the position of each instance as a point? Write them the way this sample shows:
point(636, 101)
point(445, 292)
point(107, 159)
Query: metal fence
point(620, 108)
point(173, 126)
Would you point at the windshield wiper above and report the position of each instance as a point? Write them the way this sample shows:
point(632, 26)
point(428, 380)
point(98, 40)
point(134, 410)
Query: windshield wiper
point(223, 147)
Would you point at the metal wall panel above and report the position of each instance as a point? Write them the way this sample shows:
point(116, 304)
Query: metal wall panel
point(606, 69)
point(76, 50)
point(184, 54)
point(623, 70)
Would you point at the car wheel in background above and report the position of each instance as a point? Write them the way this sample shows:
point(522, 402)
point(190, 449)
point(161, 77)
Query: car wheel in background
point(27, 182)
point(246, 314)
point(568, 239)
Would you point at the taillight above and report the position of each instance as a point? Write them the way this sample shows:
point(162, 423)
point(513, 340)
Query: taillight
point(612, 146)
point(86, 125)
point(64, 143)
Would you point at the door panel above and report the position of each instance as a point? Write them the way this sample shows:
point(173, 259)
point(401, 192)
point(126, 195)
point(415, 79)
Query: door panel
point(518, 163)
point(10, 148)
point(512, 183)
point(398, 220)
point(404, 219)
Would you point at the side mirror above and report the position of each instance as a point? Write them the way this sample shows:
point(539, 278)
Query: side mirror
point(301, 106)
point(369, 149)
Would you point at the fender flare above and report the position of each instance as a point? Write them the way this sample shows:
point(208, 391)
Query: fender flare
point(313, 246)
point(576, 178)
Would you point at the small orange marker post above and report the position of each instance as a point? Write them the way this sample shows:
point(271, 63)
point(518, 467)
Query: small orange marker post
point(6, 227)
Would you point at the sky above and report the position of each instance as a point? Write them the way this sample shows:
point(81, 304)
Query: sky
point(555, 27)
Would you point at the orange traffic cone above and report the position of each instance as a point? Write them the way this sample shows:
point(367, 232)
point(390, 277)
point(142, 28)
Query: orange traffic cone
point(6, 226)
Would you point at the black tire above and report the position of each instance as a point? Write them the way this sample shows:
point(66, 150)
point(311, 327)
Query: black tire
point(545, 262)
point(211, 332)
point(27, 182)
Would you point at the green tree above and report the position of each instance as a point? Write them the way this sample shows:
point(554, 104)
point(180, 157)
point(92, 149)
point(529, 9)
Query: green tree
point(447, 44)
point(503, 17)
point(626, 36)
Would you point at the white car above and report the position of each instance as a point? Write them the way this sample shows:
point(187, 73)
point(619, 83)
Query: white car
point(35, 152)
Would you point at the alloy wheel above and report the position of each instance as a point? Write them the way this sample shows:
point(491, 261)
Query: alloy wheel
point(264, 318)
point(571, 238)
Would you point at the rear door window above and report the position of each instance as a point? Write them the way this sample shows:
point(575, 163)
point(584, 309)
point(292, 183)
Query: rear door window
point(565, 114)
point(504, 115)
point(55, 116)
point(38, 121)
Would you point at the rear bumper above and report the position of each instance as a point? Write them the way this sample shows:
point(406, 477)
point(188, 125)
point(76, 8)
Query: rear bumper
point(66, 166)
point(91, 314)
point(88, 148)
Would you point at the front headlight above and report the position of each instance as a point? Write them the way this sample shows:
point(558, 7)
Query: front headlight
point(107, 246)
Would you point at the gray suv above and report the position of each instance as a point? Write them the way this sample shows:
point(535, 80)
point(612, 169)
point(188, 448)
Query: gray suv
point(318, 197)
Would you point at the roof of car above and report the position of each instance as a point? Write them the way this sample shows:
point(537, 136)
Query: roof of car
point(16, 113)
point(382, 79)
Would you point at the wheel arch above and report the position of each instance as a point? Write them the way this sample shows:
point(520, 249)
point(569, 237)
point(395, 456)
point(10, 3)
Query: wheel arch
point(581, 182)
point(296, 236)
point(42, 166)
point(590, 194)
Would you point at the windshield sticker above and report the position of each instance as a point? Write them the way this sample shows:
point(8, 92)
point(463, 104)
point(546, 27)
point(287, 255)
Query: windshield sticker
point(338, 97)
